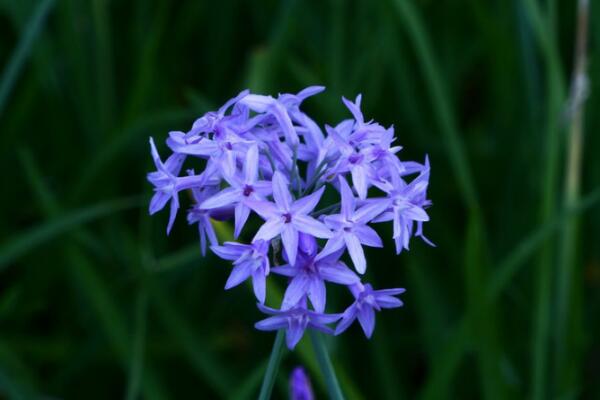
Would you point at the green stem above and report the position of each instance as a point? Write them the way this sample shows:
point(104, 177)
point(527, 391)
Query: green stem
point(272, 367)
point(335, 392)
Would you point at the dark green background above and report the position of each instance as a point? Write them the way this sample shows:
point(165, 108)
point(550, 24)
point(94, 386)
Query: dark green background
point(96, 302)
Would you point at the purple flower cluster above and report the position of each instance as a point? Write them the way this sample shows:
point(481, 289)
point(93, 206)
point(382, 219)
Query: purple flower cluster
point(262, 155)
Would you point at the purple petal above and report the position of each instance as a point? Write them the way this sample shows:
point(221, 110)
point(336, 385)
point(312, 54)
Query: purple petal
point(317, 294)
point(156, 158)
point(289, 238)
point(229, 251)
point(258, 103)
point(259, 285)
point(332, 245)
point(265, 209)
point(356, 252)
point(355, 108)
point(294, 334)
point(348, 201)
point(359, 180)
point(295, 291)
point(307, 244)
point(367, 236)
point(281, 193)
point(390, 292)
point(223, 198)
point(285, 122)
point(173, 213)
point(371, 210)
point(286, 270)
point(306, 204)
point(210, 232)
point(389, 302)
point(366, 317)
point(347, 318)
point(251, 165)
point(415, 213)
point(238, 275)
point(272, 323)
point(309, 225)
point(158, 202)
point(338, 273)
point(269, 229)
point(241, 216)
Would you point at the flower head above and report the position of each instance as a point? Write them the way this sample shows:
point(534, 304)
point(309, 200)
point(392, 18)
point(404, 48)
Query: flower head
point(263, 155)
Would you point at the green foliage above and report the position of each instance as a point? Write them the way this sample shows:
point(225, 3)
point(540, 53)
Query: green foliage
point(96, 302)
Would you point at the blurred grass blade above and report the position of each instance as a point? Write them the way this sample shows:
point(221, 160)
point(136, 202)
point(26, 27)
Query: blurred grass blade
point(93, 288)
point(434, 80)
point(246, 389)
point(199, 354)
point(546, 38)
point(273, 366)
point(139, 339)
point(333, 386)
point(529, 245)
point(568, 322)
point(27, 241)
point(13, 68)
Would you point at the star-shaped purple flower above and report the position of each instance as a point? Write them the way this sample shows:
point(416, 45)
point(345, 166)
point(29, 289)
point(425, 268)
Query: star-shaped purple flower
point(295, 321)
point(167, 185)
point(241, 189)
point(249, 260)
point(351, 229)
point(367, 302)
point(408, 203)
point(287, 217)
point(309, 275)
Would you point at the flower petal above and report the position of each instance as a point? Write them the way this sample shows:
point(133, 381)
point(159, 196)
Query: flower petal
point(223, 198)
point(265, 209)
point(281, 193)
point(348, 201)
point(308, 203)
point(359, 180)
point(317, 293)
point(295, 291)
point(289, 238)
point(269, 229)
point(356, 252)
point(367, 236)
point(338, 273)
point(366, 317)
point(238, 275)
point(259, 285)
point(241, 216)
point(272, 323)
point(309, 225)
point(370, 211)
point(251, 165)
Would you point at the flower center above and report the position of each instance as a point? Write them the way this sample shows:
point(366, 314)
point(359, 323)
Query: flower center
point(248, 190)
point(355, 158)
point(287, 218)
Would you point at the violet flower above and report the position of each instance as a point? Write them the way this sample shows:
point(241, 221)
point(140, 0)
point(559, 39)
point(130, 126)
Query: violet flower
point(309, 275)
point(241, 189)
point(351, 229)
point(287, 217)
point(367, 302)
point(295, 321)
point(262, 154)
point(249, 260)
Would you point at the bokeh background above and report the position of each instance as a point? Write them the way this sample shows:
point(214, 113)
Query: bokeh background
point(96, 302)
